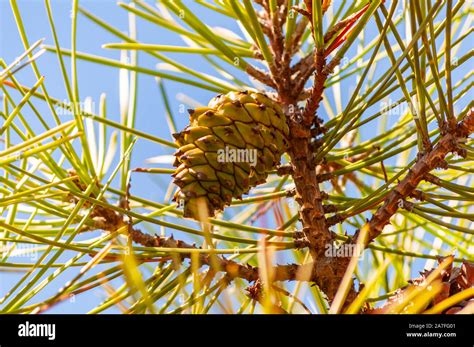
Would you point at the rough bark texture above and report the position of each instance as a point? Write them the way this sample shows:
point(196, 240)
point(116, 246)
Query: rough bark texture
point(232, 269)
point(424, 164)
point(311, 209)
point(289, 85)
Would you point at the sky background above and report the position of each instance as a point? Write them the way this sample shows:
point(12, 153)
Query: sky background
point(95, 79)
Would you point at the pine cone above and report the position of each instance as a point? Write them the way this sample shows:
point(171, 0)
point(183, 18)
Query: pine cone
point(229, 146)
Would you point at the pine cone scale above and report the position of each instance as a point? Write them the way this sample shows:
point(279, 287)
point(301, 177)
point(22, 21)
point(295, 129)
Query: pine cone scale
point(229, 147)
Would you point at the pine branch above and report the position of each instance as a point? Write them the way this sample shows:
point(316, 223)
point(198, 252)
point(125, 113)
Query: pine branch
point(431, 160)
point(232, 269)
point(313, 159)
point(261, 76)
point(449, 143)
point(304, 126)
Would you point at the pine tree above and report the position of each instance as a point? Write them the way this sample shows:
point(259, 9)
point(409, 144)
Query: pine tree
point(359, 115)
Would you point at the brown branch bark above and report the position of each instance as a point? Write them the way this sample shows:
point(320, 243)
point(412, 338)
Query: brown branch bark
point(261, 76)
point(232, 269)
point(302, 124)
point(407, 187)
point(326, 272)
point(429, 161)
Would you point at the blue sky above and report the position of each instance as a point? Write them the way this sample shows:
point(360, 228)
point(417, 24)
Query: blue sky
point(96, 79)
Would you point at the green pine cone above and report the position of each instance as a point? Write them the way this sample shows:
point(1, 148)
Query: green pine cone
point(229, 146)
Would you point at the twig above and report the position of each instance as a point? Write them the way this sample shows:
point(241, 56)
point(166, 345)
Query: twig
point(232, 269)
point(431, 160)
point(261, 76)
